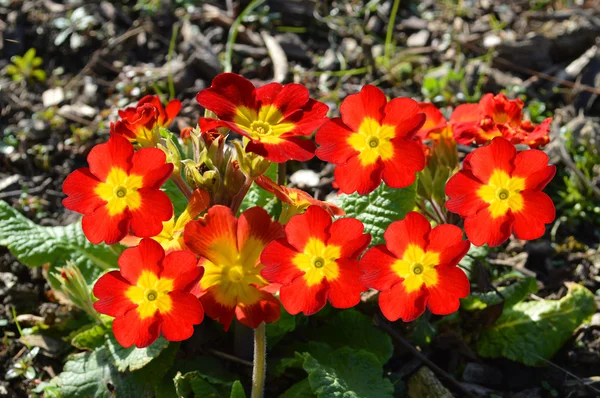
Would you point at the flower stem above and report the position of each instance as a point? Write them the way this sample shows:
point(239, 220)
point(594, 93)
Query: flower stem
point(281, 170)
point(183, 187)
point(260, 361)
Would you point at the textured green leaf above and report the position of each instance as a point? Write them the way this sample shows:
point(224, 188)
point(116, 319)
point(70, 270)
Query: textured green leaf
point(353, 329)
point(92, 337)
point(347, 373)
point(179, 201)
point(512, 294)
point(90, 374)
point(34, 245)
point(301, 389)
point(257, 196)
point(380, 208)
point(133, 358)
point(531, 332)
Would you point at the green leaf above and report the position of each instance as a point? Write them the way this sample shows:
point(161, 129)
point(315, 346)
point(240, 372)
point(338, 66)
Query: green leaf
point(353, 329)
point(380, 208)
point(34, 245)
point(202, 386)
point(301, 389)
point(209, 368)
point(133, 358)
point(91, 374)
point(29, 56)
point(276, 330)
point(531, 332)
point(39, 74)
point(90, 337)
point(347, 373)
point(177, 198)
point(512, 294)
point(237, 390)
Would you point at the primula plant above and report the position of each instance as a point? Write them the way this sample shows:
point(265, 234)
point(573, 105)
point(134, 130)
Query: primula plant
point(202, 228)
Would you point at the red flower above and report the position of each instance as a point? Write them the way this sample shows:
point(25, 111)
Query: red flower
point(417, 268)
point(499, 192)
point(497, 116)
point(150, 295)
point(373, 140)
point(120, 191)
point(138, 122)
point(274, 117)
point(230, 252)
point(296, 199)
point(436, 126)
point(317, 262)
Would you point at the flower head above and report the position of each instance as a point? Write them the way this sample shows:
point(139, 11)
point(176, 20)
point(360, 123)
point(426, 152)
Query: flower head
point(120, 191)
point(150, 295)
point(138, 122)
point(373, 140)
point(273, 117)
point(295, 201)
point(417, 268)
point(499, 191)
point(230, 253)
point(317, 262)
point(497, 116)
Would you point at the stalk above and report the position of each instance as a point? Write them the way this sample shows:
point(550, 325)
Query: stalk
point(260, 361)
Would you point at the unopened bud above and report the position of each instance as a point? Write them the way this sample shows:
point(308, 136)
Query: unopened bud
point(74, 286)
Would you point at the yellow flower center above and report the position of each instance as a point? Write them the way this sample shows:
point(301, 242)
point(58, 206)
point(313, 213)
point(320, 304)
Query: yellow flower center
point(266, 125)
point(372, 141)
point(502, 193)
point(120, 191)
point(151, 294)
point(417, 267)
point(318, 261)
point(235, 275)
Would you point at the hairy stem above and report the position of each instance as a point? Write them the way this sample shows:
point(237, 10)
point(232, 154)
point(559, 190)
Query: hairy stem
point(281, 170)
point(183, 187)
point(260, 361)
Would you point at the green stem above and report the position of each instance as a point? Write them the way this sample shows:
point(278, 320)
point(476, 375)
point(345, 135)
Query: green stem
point(183, 187)
point(260, 361)
point(389, 32)
point(281, 170)
point(236, 202)
point(233, 31)
point(169, 58)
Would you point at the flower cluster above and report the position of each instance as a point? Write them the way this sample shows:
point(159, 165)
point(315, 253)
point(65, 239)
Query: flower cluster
point(494, 116)
point(212, 258)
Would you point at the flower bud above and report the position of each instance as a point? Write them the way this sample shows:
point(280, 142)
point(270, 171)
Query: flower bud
point(74, 286)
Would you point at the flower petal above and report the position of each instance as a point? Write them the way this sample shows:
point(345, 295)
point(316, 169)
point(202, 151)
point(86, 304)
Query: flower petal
point(79, 187)
point(186, 311)
point(499, 155)
point(537, 211)
point(376, 266)
point(354, 177)
point(398, 304)
point(267, 309)
point(452, 285)
point(256, 230)
point(482, 228)
point(227, 92)
point(532, 165)
point(314, 223)
point(150, 163)
point(405, 114)
point(298, 297)
point(117, 152)
point(182, 267)
point(332, 138)
point(348, 234)
point(345, 290)
point(110, 290)
point(155, 207)
point(130, 329)
point(370, 102)
point(100, 226)
point(147, 256)
point(400, 170)
point(214, 236)
point(286, 148)
point(413, 229)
